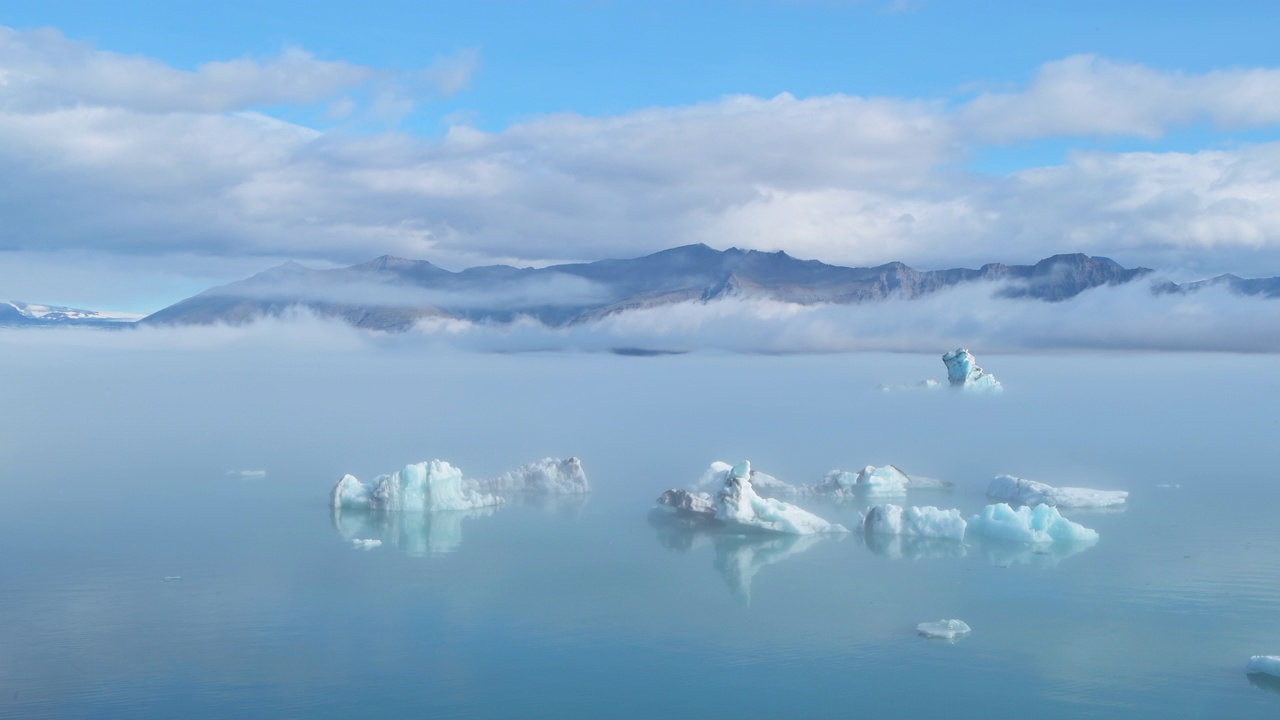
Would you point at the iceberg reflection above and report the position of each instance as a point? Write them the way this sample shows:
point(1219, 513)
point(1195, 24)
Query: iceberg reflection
point(737, 557)
point(416, 534)
point(1003, 553)
point(913, 547)
point(1265, 682)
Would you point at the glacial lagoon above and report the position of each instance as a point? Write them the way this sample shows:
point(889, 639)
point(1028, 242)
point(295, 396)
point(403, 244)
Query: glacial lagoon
point(170, 550)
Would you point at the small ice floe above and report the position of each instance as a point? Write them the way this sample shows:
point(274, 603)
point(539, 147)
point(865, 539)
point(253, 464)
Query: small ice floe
point(1167, 486)
point(900, 387)
point(1040, 524)
point(926, 522)
point(963, 373)
point(171, 578)
point(422, 487)
point(365, 543)
point(548, 476)
point(944, 629)
point(872, 480)
point(247, 474)
point(1265, 664)
point(1020, 491)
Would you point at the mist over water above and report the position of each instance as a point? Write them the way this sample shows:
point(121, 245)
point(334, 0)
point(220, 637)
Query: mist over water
point(115, 459)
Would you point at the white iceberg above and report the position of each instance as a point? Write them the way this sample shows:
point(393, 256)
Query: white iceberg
point(872, 480)
point(963, 372)
point(430, 486)
point(945, 629)
point(1265, 664)
point(247, 474)
point(1020, 491)
point(1038, 524)
point(365, 544)
point(767, 485)
point(927, 522)
point(551, 476)
point(737, 504)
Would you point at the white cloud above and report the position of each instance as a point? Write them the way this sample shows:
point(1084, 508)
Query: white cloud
point(106, 153)
point(1090, 95)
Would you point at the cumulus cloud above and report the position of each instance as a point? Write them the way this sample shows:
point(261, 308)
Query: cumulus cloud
point(43, 71)
point(122, 154)
point(1091, 95)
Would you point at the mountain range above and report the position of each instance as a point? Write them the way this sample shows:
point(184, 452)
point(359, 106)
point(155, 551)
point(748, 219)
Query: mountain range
point(391, 293)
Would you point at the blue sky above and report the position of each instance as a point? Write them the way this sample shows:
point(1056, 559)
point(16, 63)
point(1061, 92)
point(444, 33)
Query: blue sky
point(464, 133)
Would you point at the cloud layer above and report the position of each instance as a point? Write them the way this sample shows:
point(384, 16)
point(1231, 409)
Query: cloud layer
point(101, 152)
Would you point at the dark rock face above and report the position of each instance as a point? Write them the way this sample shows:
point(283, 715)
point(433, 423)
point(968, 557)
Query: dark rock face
point(390, 293)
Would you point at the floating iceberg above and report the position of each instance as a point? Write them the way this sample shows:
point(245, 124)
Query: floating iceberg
point(1038, 524)
point(1021, 491)
point(767, 485)
point(928, 522)
point(963, 372)
point(688, 504)
point(900, 387)
point(247, 474)
point(945, 629)
point(421, 487)
point(1266, 664)
point(365, 544)
point(551, 476)
point(737, 504)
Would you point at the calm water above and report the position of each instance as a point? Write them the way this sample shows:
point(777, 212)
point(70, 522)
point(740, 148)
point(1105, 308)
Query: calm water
point(114, 466)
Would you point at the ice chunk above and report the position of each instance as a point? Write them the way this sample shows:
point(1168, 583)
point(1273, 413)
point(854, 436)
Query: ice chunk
point(927, 521)
point(963, 372)
point(171, 578)
point(945, 629)
point(737, 504)
point(1266, 664)
point(899, 387)
point(1021, 491)
point(365, 544)
point(683, 502)
point(1038, 524)
point(716, 475)
point(870, 480)
point(420, 487)
point(247, 474)
point(549, 475)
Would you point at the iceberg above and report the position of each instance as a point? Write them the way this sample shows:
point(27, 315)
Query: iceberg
point(1020, 491)
point(430, 486)
point(900, 387)
point(716, 476)
point(872, 480)
point(687, 504)
point(963, 372)
point(926, 522)
point(1036, 525)
point(738, 505)
point(365, 544)
point(551, 476)
point(1265, 664)
point(945, 629)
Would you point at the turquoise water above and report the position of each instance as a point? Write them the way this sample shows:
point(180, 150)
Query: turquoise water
point(115, 464)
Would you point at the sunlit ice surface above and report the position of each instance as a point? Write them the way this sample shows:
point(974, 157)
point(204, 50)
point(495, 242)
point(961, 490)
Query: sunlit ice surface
point(125, 467)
